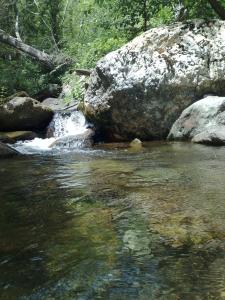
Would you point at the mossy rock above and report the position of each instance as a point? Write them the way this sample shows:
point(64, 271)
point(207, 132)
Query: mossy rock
point(181, 230)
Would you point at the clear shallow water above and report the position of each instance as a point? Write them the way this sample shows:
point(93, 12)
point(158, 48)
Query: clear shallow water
point(114, 224)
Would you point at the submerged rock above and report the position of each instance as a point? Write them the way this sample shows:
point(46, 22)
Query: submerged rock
point(202, 122)
point(24, 113)
point(137, 242)
point(6, 151)
point(141, 89)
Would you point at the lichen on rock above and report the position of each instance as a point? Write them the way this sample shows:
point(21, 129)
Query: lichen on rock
point(141, 89)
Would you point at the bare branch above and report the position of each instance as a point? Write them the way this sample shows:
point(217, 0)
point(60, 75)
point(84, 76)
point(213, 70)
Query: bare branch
point(58, 64)
point(17, 28)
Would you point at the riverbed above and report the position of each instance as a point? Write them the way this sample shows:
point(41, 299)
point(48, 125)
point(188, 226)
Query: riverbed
point(114, 223)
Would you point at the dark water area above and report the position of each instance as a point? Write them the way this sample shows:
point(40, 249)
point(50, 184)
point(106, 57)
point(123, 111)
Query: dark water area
point(113, 223)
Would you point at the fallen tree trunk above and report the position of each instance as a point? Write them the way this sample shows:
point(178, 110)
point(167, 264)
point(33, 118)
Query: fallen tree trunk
point(51, 62)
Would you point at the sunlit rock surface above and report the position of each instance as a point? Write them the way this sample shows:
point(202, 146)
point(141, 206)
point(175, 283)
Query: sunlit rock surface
point(212, 136)
point(13, 136)
point(59, 104)
point(24, 113)
point(136, 144)
point(141, 89)
point(202, 122)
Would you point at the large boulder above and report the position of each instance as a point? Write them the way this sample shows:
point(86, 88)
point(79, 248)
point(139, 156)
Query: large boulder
point(202, 122)
point(24, 113)
point(211, 136)
point(6, 151)
point(141, 89)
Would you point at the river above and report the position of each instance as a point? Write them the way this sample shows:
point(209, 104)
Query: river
point(113, 223)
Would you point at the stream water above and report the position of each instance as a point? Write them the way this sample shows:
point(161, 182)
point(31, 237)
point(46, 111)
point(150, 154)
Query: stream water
point(112, 223)
point(63, 124)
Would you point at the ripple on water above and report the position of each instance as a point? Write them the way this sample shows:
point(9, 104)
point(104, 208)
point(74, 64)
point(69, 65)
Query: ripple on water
point(114, 224)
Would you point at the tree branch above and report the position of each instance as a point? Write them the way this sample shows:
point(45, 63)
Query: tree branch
point(41, 56)
point(17, 29)
point(58, 64)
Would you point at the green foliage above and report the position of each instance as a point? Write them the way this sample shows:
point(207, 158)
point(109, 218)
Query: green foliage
point(3, 94)
point(97, 49)
point(21, 74)
point(164, 15)
point(76, 87)
point(85, 30)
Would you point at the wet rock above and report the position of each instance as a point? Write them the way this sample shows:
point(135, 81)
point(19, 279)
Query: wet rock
point(180, 230)
point(83, 140)
point(213, 136)
point(5, 139)
point(137, 241)
point(214, 246)
point(141, 89)
point(136, 144)
point(24, 113)
point(6, 151)
point(202, 122)
point(11, 137)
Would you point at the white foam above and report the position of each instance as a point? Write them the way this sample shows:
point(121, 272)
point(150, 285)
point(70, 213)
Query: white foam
point(62, 125)
point(65, 125)
point(34, 146)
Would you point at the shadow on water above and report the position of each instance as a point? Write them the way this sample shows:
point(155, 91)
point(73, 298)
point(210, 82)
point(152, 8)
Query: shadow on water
point(114, 224)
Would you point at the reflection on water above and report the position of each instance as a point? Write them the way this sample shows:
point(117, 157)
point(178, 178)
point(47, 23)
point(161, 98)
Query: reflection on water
point(114, 224)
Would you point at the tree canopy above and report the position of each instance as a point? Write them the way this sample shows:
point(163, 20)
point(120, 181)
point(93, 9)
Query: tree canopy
point(81, 30)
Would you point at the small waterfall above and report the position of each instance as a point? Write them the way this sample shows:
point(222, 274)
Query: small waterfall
point(67, 124)
point(65, 127)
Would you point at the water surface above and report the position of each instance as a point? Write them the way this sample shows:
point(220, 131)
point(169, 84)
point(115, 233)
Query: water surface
point(113, 223)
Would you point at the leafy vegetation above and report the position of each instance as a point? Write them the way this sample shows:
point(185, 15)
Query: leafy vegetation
point(84, 30)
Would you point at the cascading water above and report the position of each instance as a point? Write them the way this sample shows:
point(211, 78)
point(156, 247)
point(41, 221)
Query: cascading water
point(63, 124)
point(66, 124)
